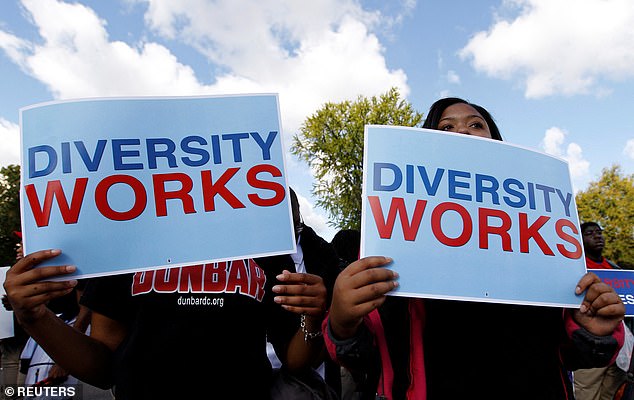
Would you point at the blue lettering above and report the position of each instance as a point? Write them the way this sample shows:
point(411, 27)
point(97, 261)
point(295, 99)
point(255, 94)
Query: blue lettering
point(215, 149)
point(66, 165)
point(265, 146)
point(492, 189)
point(204, 154)
point(521, 199)
point(167, 152)
point(50, 166)
point(91, 164)
point(409, 178)
point(118, 154)
point(547, 190)
point(431, 188)
point(398, 177)
point(235, 139)
point(454, 184)
point(565, 201)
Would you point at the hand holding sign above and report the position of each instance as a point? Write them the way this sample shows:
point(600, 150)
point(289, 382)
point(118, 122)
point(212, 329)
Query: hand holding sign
point(359, 289)
point(602, 309)
point(26, 291)
point(301, 293)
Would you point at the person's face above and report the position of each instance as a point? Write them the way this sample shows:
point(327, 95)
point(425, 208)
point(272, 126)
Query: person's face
point(593, 239)
point(462, 118)
point(297, 219)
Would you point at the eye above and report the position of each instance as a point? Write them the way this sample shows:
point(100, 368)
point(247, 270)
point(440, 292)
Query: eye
point(446, 127)
point(477, 125)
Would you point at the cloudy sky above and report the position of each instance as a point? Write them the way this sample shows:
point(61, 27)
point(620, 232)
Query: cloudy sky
point(557, 75)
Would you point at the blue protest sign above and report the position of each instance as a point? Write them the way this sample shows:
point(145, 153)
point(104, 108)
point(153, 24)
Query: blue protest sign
point(622, 281)
point(137, 183)
point(472, 219)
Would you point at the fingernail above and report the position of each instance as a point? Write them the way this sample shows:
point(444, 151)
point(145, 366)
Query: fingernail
point(583, 308)
point(70, 268)
point(395, 274)
point(388, 259)
point(55, 252)
point(578, 290)
point(72, 283)
point(395, 284)
point(281, 277)
point(276, 289)
point(277, 299)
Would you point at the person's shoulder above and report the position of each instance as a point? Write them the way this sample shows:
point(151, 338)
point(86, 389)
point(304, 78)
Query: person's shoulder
point(310, 236)
point(612, 264)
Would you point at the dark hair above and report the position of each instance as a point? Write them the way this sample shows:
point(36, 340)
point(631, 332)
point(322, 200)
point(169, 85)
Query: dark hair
point(346, 244)
point(436, 110)
point(586, 225)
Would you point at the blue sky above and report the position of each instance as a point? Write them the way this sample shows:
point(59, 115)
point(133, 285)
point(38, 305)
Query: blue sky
point(557, 75)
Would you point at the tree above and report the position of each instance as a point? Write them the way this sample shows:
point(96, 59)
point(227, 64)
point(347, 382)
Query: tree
point(610, 202)
point(331, 142)
point(9, 212)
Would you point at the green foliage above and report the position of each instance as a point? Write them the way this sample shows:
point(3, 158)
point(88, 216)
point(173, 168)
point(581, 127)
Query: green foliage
point(331, 142)
point(610, 202)
point(9, 212)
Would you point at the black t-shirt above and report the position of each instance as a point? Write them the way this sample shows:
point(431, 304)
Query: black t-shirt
point(194, 331)
point(473, 350)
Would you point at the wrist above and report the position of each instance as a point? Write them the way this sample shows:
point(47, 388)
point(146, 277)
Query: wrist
point(310, 327)
point(343, 331)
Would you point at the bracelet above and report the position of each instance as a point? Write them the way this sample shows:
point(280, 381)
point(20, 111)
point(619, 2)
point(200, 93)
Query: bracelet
point(308, 335)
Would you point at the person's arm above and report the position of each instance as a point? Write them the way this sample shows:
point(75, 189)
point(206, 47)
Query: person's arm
point(594, 331)
point(82, 320)
point(303, 294)
point(87, 358)
point(83, 316)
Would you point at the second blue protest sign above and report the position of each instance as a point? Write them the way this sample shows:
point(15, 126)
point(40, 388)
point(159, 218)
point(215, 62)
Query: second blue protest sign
point(468, 218)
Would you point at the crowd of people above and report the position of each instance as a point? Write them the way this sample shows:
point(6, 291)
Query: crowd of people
point(331, 328)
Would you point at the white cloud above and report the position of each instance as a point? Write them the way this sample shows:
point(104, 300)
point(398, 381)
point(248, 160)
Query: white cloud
point(309, 52)
point(629, 149)
point(559, 46)
point(9, 143)
point(554, 142)
point(76, 59)
point(453, 77)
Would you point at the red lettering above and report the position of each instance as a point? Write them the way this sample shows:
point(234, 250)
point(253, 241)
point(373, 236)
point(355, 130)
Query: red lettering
point(191, 279)
point(559, 228)
point(527, 232)
point(54, 189)
point(161, 196)
point(258, 280)
point(210, 189)
point(252, 179)
point(166, 280)
point(485, 229)
point(238, 281)
point(101, 197)
point(215, 277)
point(397, 206)
point(142, 282)
point(436, 225)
